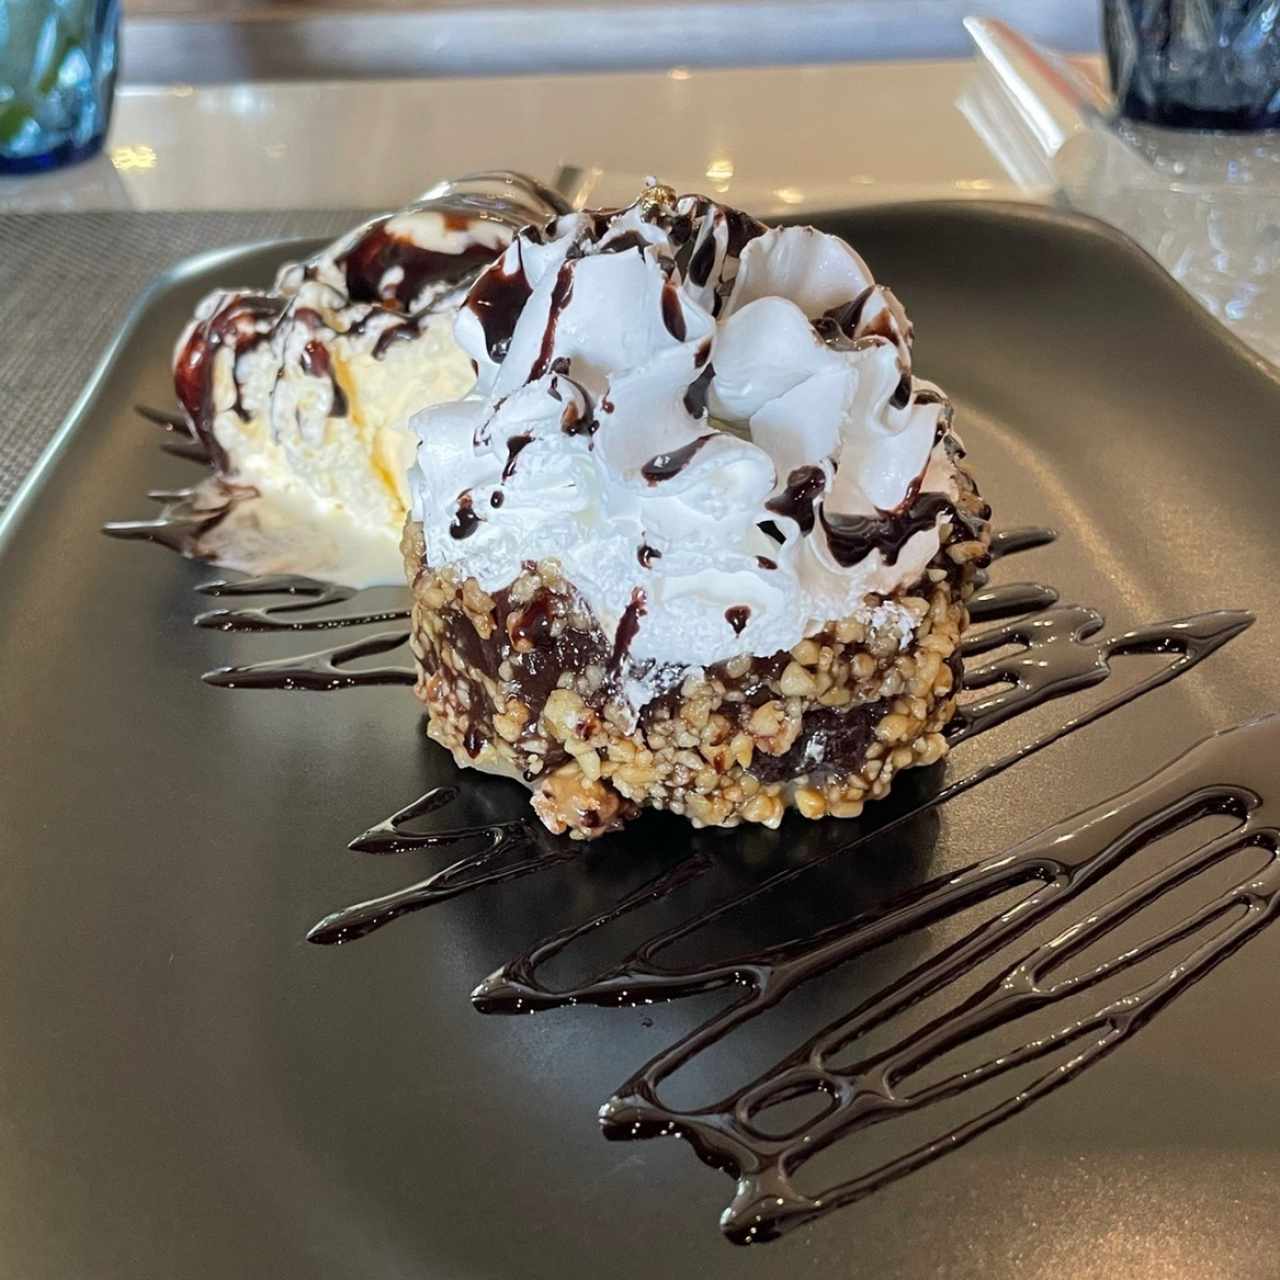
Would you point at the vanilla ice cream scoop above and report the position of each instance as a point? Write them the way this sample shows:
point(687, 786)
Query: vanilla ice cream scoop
point(302, 394)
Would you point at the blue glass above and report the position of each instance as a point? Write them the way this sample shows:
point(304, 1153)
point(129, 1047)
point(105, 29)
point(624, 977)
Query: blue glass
point(1200, 64)
point(57, 80)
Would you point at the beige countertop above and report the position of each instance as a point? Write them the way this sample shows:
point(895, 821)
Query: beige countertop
point(771, 139)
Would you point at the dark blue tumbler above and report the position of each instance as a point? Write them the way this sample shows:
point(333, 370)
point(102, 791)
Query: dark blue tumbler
point(1197, 64)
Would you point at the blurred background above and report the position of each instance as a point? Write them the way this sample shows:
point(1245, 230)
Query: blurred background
point(210, 41)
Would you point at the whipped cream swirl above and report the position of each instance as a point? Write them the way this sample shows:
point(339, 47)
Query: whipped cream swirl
point(712, 425)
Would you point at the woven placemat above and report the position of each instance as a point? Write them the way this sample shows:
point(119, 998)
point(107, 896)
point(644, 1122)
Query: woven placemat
point(67, 281)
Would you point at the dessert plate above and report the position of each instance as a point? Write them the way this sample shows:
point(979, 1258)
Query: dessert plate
point(194, 1088)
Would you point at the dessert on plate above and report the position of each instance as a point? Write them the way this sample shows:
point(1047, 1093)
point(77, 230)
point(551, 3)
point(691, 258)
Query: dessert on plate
point(698, 539)
point(301, 395)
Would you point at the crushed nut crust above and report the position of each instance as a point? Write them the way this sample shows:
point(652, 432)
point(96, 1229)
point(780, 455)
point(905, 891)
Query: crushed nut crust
point(520, 682)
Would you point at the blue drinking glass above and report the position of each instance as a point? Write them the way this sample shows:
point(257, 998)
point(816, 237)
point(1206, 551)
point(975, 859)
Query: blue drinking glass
point(57, 80)
point(1198, 64)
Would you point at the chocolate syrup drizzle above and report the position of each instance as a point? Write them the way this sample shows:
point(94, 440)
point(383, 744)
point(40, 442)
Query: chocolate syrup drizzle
point(465, 521)
point(1010, 600)
point(515, 444)
point(803, 487)
point(672, 315)
point(666, 466)
point(162, 418)
point(1058, 650)
point(561, 296)
point(323, 671)
point(378, 251)
point(186, 515)
point(515, 989)
point(326, 669)
point(506, 851)
point(853, 538)
point(497, 300)
point(1229, 774)
point(628, 625)
point(315, 363)
point(697, 392)
point(242, 322)
point(283, 617)
point(187, 447)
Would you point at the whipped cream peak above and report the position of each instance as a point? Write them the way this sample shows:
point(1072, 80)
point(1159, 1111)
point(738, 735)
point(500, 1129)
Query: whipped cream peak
point(686, 407)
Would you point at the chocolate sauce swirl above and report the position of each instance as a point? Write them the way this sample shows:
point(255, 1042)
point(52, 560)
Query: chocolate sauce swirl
point(1036, 652)
point(1232, 775)
point(1059, 649)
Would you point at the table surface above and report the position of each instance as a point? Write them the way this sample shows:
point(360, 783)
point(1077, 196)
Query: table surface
point(770, 138)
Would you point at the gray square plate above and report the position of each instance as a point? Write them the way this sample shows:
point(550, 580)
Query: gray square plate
point(190, 1088)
